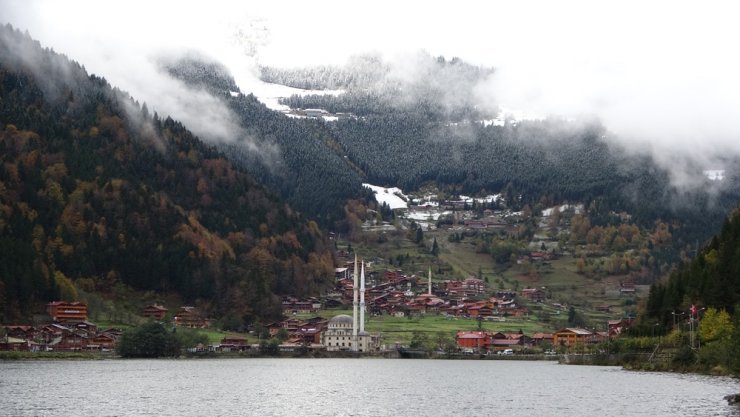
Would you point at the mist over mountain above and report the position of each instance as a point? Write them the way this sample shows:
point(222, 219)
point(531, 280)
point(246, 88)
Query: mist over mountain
point(445, 87)
point(398, 130)
point(666, 88)
point(405, 136)
point(305, 166)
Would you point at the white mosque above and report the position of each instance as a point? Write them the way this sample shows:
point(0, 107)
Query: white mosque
point(345, 332)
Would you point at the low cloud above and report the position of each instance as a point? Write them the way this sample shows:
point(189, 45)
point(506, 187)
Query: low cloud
point(127, 51)
point(661, 76)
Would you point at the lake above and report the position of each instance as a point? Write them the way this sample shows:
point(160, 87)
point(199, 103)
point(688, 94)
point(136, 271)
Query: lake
point(352, 387)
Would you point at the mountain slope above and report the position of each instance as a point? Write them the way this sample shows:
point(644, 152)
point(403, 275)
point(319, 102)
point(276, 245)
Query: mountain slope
point(96, 192)
point(711, 280)
point(306, 166)
point(426, 124)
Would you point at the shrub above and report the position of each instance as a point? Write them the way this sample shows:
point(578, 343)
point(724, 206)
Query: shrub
point(151, 340)
point(685, 356)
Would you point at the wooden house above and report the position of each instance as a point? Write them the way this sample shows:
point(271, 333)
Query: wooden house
point(234, 344)
point(478, 341)
point(534, 294)
point(15, 344)
point(540, 339)
point(102, 341)
point(20, 331)
point(64, 311)
point(571, 336)
point(188, 316)
point(474, 286)
point(154, 311)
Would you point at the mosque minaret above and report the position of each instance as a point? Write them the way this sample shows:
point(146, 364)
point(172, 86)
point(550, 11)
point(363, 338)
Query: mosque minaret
point(345, 332)
point(362, 300)
point(355, 294)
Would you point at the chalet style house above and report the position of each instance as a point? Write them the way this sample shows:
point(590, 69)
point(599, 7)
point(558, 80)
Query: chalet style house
point(154, 311)
point(572, 336)
point(188, 316)
point(65, 311)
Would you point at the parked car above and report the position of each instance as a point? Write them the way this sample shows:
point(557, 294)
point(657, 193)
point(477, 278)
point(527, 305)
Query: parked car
point(506, 352)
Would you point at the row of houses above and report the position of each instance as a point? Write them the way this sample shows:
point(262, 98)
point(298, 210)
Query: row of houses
point(71, 336)
point(75, 311)
point(480, 341)
point(459, 298)
point(70, 329)
point(316, 333)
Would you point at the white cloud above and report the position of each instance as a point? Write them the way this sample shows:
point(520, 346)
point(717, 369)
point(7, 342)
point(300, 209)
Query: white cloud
point(662, 75)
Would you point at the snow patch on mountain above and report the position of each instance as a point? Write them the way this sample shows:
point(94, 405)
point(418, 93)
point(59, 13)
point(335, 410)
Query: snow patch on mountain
point(394, 197)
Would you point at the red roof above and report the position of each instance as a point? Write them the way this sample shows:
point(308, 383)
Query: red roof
point(471, 335)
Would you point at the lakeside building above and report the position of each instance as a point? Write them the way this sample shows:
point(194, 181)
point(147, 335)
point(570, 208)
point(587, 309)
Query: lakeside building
point(65, 311)
point(478, 341)
point(570, 336)
point(348, 333)
point(69, 336)
point(338, 335)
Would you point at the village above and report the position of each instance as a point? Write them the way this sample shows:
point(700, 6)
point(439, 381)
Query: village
point(395, 295)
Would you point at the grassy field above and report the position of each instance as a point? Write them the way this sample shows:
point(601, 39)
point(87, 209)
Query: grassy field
point(401, 329)
point(463, 258)
point(214, 335)
point(559, 278)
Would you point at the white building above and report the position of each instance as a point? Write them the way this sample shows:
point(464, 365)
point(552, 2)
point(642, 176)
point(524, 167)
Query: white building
point(338, 335)
point(348, 333)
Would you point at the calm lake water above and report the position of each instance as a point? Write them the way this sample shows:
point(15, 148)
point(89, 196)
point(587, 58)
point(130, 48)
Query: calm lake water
point(352, 387)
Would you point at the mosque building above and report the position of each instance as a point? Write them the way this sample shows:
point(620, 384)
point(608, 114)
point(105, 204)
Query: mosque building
point(348, 333)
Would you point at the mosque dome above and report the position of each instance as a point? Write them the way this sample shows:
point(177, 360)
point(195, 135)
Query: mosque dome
point(341, 320)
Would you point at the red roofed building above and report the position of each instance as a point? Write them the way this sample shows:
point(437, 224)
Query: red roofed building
point(473, 340)
point(63, 311)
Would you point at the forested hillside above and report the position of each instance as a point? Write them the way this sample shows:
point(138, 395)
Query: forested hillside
point(443, 90)
point(703, 297)
point(408, 131)
point(409, 125)
point(710, 280)
point(308, 168)
point(96, 192)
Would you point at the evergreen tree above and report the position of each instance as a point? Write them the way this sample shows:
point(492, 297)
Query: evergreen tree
point(419, 236)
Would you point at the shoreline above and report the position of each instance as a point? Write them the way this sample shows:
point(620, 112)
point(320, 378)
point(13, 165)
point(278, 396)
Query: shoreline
point(44, 356)
point(625, 361)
